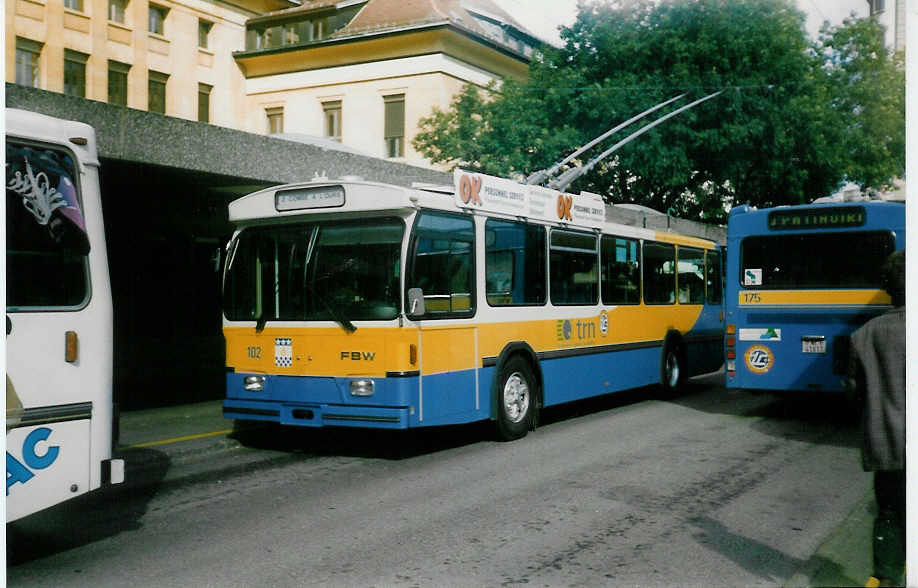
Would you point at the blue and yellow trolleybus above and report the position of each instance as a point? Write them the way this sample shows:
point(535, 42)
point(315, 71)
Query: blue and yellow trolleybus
point(800, 280)
point(361, 304)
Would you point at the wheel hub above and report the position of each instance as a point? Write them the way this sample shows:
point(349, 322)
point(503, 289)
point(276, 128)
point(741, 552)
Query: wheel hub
point(516, 397)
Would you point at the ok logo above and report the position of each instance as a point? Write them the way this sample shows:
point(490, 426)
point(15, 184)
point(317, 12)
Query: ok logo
point(469, 188)
point(565, 204)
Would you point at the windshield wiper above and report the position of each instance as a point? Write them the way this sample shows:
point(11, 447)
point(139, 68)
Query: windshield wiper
point(260, 322)
point(336, 316)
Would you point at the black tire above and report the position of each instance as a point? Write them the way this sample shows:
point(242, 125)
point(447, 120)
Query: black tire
point(516, 399)
point(672, 368)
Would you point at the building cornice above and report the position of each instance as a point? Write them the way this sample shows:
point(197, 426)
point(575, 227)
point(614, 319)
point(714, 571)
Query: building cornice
point(366, 36)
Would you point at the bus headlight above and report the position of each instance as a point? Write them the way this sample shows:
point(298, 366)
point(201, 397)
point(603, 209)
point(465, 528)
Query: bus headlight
point(362, 387)
point(254, 383)
point(731, 365)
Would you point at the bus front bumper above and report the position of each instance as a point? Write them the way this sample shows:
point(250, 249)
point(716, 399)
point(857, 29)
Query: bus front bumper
point(318, 415)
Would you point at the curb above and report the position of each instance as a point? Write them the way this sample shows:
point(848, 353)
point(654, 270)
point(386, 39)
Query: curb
point(845, 558)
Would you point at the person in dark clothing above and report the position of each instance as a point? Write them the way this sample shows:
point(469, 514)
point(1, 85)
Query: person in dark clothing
point(877, 370)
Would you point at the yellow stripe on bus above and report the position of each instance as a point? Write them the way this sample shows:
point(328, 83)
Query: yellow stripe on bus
point(683, 240)
point(813, 297)
point(442, 347)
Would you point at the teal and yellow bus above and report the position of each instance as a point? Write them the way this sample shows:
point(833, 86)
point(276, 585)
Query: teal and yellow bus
point(362, 304)
point(800, 280)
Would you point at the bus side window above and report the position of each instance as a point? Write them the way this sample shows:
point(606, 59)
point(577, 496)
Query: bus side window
point(714, 282)
point(514, 263)
point(442, 264)
point(691, 276)
point(659, 273)
point(573, 268)
point(621, 278)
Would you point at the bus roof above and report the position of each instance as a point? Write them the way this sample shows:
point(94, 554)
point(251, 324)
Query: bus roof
point(78, 136)
point(471, 193)
point(854, 215)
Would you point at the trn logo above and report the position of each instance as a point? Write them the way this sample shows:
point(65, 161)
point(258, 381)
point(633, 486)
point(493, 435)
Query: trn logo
point(580, 329)
point(17, 472)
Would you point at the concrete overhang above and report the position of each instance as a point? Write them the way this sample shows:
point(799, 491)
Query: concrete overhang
point(137, 136)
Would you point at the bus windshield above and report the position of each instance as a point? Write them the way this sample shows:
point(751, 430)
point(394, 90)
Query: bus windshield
point(815, 260)
point(46, 242)
point(341, 271)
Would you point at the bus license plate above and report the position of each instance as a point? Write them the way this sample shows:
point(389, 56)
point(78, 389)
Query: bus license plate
point(814, 346)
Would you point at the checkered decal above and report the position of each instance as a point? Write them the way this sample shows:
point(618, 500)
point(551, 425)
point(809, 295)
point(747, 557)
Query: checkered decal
point(283, 352)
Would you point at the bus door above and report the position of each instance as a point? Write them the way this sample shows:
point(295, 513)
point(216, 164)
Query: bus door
point(58, 330)
point(449, 380)
point(442, 265)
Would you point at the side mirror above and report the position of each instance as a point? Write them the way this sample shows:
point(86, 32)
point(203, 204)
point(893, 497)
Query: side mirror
point(415, 302)
point(217, 259)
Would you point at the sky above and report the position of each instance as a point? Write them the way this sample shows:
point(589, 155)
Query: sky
point(543, 16)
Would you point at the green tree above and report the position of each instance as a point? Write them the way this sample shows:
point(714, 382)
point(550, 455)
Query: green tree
point(867, 85)
point(778, 134)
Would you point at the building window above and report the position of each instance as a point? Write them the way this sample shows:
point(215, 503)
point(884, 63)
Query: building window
point(275, 119)
point(116, 10)
point(332, 114)
point(156, 88)
point(157, 20)
point(74, 5)
point(271, 34)
point(395, 125)
point(75, 73)
point(118, 83)
point(204, 103)
point(203, 32)
point(27, 54)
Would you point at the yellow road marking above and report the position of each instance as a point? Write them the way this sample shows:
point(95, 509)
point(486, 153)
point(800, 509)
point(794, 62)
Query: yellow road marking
point(179, 439)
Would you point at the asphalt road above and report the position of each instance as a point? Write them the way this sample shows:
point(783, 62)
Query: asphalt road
point(708, 488)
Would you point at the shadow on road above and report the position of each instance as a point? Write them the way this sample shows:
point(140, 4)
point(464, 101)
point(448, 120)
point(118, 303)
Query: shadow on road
point(90, 517)
point(597, 404)
point(828, 419)
point(768, 563)
point(353, 442)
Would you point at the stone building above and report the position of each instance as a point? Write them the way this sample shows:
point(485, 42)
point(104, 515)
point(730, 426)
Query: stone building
point(358, 72)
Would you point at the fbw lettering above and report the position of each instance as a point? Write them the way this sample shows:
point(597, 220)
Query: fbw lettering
point(358, 355)
point(17, 472)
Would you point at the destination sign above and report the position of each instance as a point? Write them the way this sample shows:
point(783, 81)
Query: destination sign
point(834, 217)
point(306, 198)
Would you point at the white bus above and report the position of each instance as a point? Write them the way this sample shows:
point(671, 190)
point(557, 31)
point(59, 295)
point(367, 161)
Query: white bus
point(58, 317)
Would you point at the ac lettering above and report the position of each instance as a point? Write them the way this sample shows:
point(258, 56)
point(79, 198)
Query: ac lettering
point(17, 472)
point(358, 355)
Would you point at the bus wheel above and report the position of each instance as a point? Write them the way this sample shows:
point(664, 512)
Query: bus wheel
point(515, 399)
point(673, 368)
